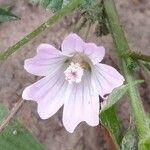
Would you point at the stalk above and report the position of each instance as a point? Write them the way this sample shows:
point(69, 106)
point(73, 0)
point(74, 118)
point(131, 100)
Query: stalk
point(139, 56)
point(46, 25)
point(122, 47)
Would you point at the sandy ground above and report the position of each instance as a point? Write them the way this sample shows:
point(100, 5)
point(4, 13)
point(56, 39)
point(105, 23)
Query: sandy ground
point(13, 78)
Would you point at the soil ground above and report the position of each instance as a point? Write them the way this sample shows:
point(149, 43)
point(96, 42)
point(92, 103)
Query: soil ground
point(135, 18)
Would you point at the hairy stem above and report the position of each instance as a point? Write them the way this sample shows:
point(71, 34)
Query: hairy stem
point(79, 25)
point(142, 65)
point(67, 9)
point(120, 41)
point(139, 56)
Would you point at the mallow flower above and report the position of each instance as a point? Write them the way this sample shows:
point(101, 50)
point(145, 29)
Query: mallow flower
point(72, 78)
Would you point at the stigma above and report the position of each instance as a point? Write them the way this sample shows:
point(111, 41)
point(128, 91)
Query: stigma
point(74, 73)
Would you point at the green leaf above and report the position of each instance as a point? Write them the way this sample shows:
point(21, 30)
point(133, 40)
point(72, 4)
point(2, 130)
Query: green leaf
point(130, 141)
point(3, 112)
point(108, 117)
point(44, 3)
point(117, 93)
point(144, 144)
point(55, 5)
point(16, 137)
point(145, 66)
point(110, 121)
point(6, 15)
point(91, 10)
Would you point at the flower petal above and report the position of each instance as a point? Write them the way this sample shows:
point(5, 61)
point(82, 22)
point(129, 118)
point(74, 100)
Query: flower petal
point(91, 104)
point(45, 62)
point(82, 105)
point(48, 93)
point(37, 90)
point(53, 100)
point(72, 43)
point(94, 52)
point(105, 79)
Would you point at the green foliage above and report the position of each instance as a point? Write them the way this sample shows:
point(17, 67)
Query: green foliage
point(46, 25)
point(57, 4)
point(53, 5)
point(108, 116)
point(93, 10)
point(117, 93)
point(6, 15)
point(90, 9)
point(146, 67)
point(3, 112)
point(131, 63)
point(144, 143)
point(129, 141)
point(109, 120)
point(16, 137)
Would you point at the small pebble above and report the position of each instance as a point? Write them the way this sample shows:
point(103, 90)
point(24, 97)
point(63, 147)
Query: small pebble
point(15, 132)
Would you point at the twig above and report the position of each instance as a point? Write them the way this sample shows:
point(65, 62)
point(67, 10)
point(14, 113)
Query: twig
point(51, 21)
point(139, 56)
point(122, 46)
point(11, 114)
point(141, 64)
point(79, 25)
point(87, 30)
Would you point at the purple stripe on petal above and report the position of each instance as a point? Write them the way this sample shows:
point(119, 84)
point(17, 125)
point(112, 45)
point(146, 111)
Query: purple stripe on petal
point(105, 78)
point(47, 59)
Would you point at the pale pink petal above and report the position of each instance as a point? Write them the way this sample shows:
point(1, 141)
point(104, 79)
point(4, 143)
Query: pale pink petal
point(53, 100)
point(91, 104)
point(45, 62)
point(48, 93)
point(82, 105)
point(37, 90)
point(72, 113)
point(94, 52)
point(105, 79)
point(72, 43)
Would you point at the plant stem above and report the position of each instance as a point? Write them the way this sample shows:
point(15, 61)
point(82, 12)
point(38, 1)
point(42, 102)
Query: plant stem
point(139, 56)
point(79, 25)
point(120, 41)
point(87, 30)
point(142, 65)
point(64, 11)
point(11, 114)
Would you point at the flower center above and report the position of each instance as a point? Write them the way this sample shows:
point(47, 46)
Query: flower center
point(74, 73)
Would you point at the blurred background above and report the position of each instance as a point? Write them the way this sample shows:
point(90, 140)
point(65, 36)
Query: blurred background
point(135, 18)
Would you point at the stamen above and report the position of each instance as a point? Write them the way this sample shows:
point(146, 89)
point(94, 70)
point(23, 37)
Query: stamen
point(74, 73)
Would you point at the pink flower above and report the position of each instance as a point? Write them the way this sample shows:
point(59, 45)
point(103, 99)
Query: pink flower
point(73, 78)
